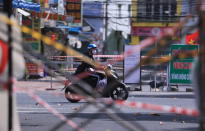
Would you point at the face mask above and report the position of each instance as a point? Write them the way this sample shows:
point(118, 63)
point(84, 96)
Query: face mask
point(94, 52)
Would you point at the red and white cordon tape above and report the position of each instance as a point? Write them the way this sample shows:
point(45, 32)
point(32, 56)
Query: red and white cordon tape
point(54, 111)
point(109, 56)
point(171, 109)
point(106, 56)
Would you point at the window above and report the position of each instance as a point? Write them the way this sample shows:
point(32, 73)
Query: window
point(156, 10)
point(73, 8)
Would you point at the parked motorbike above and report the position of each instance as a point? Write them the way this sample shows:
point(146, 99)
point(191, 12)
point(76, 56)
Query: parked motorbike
point(105, 83)
point(158, 84)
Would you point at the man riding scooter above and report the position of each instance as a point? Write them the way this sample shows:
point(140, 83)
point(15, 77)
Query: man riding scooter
point(92, 50)
point(104, 82)
point(84, 67)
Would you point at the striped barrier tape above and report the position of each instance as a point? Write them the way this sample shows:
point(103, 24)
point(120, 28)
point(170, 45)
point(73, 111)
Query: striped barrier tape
point(94, 56)
point(53, 111)
point(102, 56)
point(47, 106)
point(165, 108)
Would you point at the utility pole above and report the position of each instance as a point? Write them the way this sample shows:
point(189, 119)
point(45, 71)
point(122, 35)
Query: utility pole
point(8, 10)
point(106, 25)
point(201, 71)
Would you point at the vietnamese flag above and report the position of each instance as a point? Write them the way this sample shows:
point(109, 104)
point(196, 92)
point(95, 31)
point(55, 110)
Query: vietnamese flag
point(192, 39)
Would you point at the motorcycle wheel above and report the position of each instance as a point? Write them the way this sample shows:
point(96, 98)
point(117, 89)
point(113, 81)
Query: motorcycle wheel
point(71, 96)
point(119, 92)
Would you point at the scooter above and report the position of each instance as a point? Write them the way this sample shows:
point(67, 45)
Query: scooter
point(103, 84)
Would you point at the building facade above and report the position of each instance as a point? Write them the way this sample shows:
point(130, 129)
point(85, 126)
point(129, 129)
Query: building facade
point(150, 17)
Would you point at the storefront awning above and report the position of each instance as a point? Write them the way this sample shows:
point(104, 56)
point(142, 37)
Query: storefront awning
point(26, 5)
point(71, 29)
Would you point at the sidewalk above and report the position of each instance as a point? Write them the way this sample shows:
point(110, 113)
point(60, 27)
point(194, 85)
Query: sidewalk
point(46, 83)
point(39, 85)
point(146, 88)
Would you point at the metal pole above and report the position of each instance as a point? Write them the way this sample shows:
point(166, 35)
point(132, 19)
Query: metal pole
point(201, 72)
point(106, 25)
point(155, 81)
point(51, 81)
point(150, 78)
point(8, 10)
point(167, 77)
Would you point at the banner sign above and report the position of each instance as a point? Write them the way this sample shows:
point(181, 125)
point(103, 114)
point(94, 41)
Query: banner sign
point(180, 68)
point(34, 69)
point(149, 31)
point(129, 63)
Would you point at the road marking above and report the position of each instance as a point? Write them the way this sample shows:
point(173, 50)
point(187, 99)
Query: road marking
point(34, 110)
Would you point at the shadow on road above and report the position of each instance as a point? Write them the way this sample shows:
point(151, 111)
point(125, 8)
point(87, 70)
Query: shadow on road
point(142, 117)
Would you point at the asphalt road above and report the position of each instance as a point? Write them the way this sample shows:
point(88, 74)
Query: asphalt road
point(34, 117)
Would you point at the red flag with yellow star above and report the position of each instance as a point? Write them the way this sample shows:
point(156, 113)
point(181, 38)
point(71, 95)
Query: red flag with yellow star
point(192, 39)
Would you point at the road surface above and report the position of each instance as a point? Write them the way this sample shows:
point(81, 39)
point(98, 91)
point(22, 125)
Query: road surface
point(35, 117)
